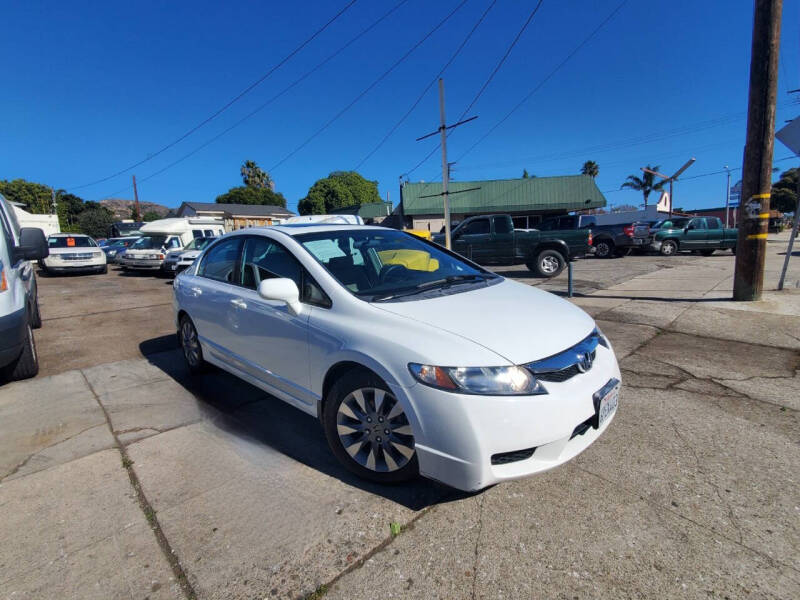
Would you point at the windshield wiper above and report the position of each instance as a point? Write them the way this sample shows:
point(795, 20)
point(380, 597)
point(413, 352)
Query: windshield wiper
point(445, 282)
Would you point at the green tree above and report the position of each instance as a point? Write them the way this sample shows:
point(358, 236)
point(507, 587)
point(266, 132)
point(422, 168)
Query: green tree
point(254, 176)
point(784, 191)
point(525, 173)
point(590, 168)
point(251, 195)
point(645, 184)
point(150, 215)
point(69, 207)
point(35, 197)
point(337, 190)
point(95, 222)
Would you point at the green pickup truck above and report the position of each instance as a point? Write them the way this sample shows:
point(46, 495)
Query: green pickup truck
point(701, 234)
point(492, 240)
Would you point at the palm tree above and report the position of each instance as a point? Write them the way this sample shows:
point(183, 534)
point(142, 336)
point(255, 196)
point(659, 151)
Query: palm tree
point(644, 184)
point(255, 177)
point(590, 168)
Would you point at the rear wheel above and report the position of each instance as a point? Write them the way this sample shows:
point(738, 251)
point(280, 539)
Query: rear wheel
point(669, 247)
point(190, 344)
point(368, 430)
point(27, 365)
point(548, 263)
point(604, 249)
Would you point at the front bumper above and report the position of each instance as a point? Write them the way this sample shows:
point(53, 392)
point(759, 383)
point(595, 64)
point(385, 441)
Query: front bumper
point(13, 333)
point(53, 264)
point(457, 435)
point(143, 264)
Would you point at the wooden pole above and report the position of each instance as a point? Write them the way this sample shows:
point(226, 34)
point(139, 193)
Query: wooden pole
point(751, 246)
point(136, 200)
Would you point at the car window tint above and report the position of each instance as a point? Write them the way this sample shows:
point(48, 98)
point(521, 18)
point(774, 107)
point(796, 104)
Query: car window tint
point(714, 223)
point(502, 225)
point(476, 227)
point(197, 233)
point(208, 233)
point(266, 259)
point(220, 261)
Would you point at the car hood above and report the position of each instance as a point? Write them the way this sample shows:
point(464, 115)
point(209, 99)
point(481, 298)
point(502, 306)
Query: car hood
point(514, 320)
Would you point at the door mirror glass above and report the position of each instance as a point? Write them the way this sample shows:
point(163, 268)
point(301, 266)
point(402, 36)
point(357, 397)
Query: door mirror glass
point(281, 289)
point(32, 244)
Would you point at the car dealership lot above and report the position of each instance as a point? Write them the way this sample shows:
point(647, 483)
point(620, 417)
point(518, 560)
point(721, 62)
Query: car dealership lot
point(692, 492)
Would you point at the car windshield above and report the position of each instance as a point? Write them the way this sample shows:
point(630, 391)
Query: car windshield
point(386, 264)
point(149, 242)
point(70, 242)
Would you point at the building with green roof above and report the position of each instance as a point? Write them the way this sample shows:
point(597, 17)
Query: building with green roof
point(527, 200)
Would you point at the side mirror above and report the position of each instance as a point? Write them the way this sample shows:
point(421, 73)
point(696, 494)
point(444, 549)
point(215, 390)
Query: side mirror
point(32, 244)
point(282, 289)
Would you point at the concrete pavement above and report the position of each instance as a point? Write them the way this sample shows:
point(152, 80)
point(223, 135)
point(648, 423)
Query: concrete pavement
point(123, 478)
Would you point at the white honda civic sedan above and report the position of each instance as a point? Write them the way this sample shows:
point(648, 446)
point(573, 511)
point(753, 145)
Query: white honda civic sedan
point(414, 359)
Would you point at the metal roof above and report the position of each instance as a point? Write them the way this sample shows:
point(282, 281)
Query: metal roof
point(569, 192)
point(246, 210)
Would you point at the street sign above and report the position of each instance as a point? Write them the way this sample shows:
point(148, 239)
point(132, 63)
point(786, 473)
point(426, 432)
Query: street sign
point(789, 135)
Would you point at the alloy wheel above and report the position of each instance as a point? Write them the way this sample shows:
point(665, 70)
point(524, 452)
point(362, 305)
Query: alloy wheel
point(550, 264)
point(190, 343)
point(374, 430)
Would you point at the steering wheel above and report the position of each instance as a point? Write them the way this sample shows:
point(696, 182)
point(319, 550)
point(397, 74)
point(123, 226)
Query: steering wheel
point(391, 270)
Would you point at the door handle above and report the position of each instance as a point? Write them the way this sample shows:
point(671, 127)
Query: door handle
point(239, 303)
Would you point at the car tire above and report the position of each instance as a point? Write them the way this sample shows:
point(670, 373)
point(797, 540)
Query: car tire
point(669, 248)
point(706, 252)
point(190, 345)
point(103, 270)
point(27, 364)
point(365, 431)
point(36, 316)
point(604, 249)
point(548, 263)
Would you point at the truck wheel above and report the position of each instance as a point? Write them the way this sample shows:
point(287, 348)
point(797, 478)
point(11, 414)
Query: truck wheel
point(548, 263)
point(604, 249)
point(669, 247)
point(27, 365)
point(708, 252)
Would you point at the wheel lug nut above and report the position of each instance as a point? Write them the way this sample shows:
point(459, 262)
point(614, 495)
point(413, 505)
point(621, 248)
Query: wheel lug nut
point(378, 438)
point(386, 431)
point(380, 419)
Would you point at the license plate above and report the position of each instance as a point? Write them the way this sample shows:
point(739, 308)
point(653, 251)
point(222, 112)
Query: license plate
point(605, 402)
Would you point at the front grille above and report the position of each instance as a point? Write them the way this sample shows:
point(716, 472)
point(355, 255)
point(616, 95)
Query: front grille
point(563, 374)
point(77, 256)
point(508, 457)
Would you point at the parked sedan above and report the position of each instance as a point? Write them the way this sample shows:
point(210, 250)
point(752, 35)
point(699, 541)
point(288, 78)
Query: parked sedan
point(72, 253)
point(116, 247)
point(414, 359)
point(178, 260)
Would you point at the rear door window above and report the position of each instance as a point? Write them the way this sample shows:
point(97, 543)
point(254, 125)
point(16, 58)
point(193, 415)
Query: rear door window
point(502, 225)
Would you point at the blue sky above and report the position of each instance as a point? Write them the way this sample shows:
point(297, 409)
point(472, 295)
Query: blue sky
point(92, 88)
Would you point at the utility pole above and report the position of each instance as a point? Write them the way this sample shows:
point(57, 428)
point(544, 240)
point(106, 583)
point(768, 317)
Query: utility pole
point(727, 196)
point(442, 130)
point(136, 200)
point(751, 247)
point(445, 170)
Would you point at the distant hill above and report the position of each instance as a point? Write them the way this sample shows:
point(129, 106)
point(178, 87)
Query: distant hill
point(122, 208)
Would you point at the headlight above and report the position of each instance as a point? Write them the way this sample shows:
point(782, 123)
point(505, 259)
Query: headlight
point(487, 381)
point(112, 252)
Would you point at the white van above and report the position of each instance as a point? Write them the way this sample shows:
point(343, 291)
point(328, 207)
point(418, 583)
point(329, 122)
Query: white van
point(161, 236)
point(19, 303)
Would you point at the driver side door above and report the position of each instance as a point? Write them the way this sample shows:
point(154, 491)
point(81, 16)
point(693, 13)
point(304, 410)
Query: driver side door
point(474, 239)
point(694, 238)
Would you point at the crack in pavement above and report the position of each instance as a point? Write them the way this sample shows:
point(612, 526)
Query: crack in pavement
point(144, 504)
point(40, 450)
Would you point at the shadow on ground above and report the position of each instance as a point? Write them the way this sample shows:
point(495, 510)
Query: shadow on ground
point(250, 413)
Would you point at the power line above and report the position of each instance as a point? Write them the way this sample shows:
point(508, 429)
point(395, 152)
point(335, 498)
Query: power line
point(427, 87)
point(271, 99)
point(486, 83)
point(225, 106)
point(368, 88)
